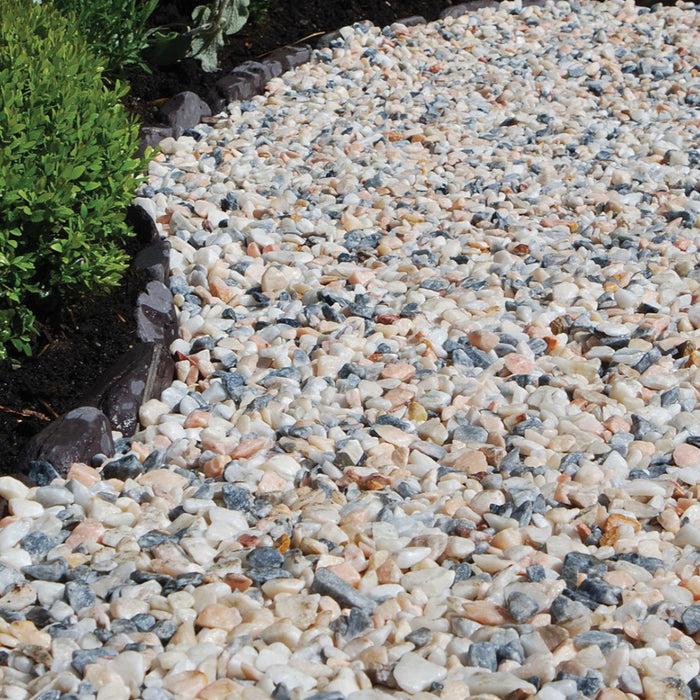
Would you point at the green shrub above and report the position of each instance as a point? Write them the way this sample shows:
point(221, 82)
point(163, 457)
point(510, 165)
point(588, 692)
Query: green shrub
point(115, 29)
point(259, 10)
point(67, 170)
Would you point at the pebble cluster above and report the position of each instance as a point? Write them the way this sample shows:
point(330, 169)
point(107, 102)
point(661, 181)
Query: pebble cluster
point(435, 428)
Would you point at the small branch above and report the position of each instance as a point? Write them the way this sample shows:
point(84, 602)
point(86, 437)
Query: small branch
point(48, 408)
point(294, 43)
point(26, 413)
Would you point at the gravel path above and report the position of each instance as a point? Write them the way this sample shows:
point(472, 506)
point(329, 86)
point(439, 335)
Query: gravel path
point(434, 432)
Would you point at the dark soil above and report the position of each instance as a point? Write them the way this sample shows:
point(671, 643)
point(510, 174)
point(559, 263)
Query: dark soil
point(77, 344)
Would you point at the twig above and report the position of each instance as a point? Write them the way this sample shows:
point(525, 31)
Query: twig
point(48, 408)
point(293, 43)
point(26, 413)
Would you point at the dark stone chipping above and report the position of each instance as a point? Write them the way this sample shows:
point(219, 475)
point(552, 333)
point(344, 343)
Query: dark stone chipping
point(482, 654)
point(53, 570)
point(156, 321)
point(265, 557)
point(420, 637)
point(183, 111)
point(123, 468)
point(691, 619)
point(138, 376)
point(79, 595)
point(600, 591)
point(522, 607)
point(606, 641)
point(576, 563)
point(82, 658)
point(327, 583)
point(564, 610)
point(260, 575)
point(74, 437)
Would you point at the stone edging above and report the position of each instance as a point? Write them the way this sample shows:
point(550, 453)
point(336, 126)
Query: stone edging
point(145, 371)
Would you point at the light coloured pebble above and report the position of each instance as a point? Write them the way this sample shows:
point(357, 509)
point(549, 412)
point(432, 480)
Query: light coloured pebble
point(413, 673)
point(12, 488)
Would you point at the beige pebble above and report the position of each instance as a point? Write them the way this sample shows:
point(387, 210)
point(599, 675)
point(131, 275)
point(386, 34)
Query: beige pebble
point(17, 597)
point(518, 364)
point(247, 448)
point(485, 612)
point(274, 280)
point(88, 531)
point(416, 412)
point(271, 482)
point(221, 689)
point(26, 632)
point(484, 340)
point(663, 689)
point(686, 455)
point(219, 616)
point(186, 684)
point(86, 475)
point(612, 694)
point(400, 370)
point(299, 608)
point(394, 435)
point(469, 461)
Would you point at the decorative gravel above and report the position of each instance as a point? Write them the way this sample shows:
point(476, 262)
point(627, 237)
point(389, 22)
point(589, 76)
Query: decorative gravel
point(435, 427)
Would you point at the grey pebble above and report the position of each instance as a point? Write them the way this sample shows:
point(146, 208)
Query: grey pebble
point(604, 640)
point(420, 637)
point(54, 570)
point(327, 583)
point(564, 609)
point(127, 467)
point(521, 606)
point(265, 557)
point(82, 658)
point(52, 495)
point(482, 654)
point(691, 619)
point(79, 595)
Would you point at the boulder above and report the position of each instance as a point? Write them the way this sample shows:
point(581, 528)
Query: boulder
point(156, 321)
point(245, 81)
point(154, 260)
point(184, 111)
point(143, 224)
point(290, 56)
point(151, 136)
point(411, 21)
point(75, 436)
point(139, 375)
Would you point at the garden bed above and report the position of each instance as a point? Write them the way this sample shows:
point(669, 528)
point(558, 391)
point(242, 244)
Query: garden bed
point(77, 345)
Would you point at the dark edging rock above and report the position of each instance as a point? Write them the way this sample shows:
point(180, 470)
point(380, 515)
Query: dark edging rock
point(137, 376)
point(73, 437)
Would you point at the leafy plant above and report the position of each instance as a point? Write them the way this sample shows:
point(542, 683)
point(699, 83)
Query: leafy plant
point(212, 23)
point(259, 10)
point(67, 170)
point(115, 29)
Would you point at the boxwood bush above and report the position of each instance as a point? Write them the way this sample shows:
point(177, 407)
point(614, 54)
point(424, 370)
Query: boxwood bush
point(114, 29)
point(67, 170)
